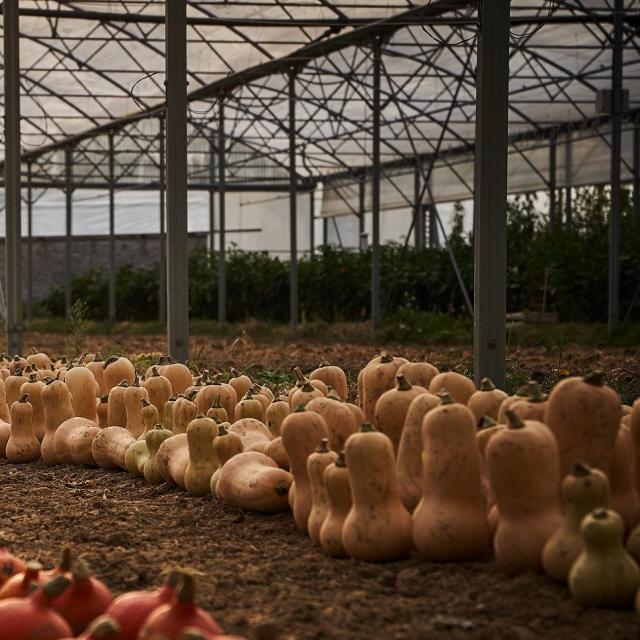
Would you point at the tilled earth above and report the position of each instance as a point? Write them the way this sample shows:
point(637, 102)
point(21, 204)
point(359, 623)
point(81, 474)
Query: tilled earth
point(264, 579)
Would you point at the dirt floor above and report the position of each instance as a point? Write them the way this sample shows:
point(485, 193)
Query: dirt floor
point(264, 579)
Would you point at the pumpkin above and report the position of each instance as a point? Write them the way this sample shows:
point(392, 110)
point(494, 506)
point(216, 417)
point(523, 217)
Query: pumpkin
point(116, 409)
point(392, 406)
point(377, 377)
point(172, 459)
point(203, 462)
point(604, 575)
point(338, 417)
point(419, 374)
point(583, 490)
point(333, 377)
point(252, 481)
point(23, 446)
point(584, 415)
point(336, 481)
point(377, 527)
point(459, 387)
point(302, 431)
point(240, 382)
point(486, 400)
point(158, 390)
point(275, 413)
point(450, 521)
point(409, 459)
point(33, 388)
point(109, 447)
point(116, 369)
point(153, 439)
point(254, 434)
point(523, 467)
point(73, 441)
point(317, 462)
point(133, 396)
point(57, 406)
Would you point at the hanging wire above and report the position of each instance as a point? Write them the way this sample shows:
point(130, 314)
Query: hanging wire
point(135, 84)
point(553, 5)
point(46, 125)
point(433, 35)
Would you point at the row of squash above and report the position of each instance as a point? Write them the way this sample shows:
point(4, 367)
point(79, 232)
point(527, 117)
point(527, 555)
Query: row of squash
point(68, 602)
point(423, 461)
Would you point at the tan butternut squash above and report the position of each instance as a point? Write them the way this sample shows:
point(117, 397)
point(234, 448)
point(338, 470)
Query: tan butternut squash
point(4, 408)
point(22, 446)
point(409, 459)
point(253, 481)
point(254, 434)
point(583, 490)
point(317, 462)
point(203, 462)
point(226, 444)
point(158, 389)
point(338, 418)
point(205, 396)
point(261, 398)
point(392, 406)
point(172, 459)
point(333, 377)
point(624, 497)
point(154, 438)
point(183, 412)
point(419, 374)
point(523, 466)
point(57, 405)
point(523, 393)
point(17, 363)
point(109, 447)
point(38, 358)
point(276, 451)
point(5, 434)
point(486, 400)
point(302, 431)
point(584, 415)
point(12, 385)
point(357, 413)
point(604, 575)
point(115, 369)
point(150, 417)
point(133, 396)
point(634, 428)
point(459, 387)
point(336, 482)
point(116, 409)
point(377, 377)
point(178, 375)
point(95, 366)
point(136, 457)
point(533, 407)
point(275, 413)
point(82, 385)
point(102, 411)
point(266, 392)
point(167, 417)
point(249, 407)
point(378, 527)
point(73, 440)
point(33, 388)
point(450, 522)
point(217, 411)
point(240, 382)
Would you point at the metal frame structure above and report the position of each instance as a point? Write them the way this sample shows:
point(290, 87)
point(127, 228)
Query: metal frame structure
point(344, 94)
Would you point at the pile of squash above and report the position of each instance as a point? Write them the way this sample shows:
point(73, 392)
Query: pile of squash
point(68, 601)
point(422, 462)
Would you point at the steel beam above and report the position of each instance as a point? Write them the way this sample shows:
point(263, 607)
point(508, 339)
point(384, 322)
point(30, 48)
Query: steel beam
point(29, 246)
point(312, 222)
point(212, 195)
point(616, 153)
point(418, 209)
point(162, 187)
point(553, 172)
point(177, 208)
point(362, 186)
point(112, 231)
point(490, 192)
point(68, 192)
point(13, 232)
point(636, 174)
point(222, 214)
point(375, 187)
point(568, 189)
point(294, 307)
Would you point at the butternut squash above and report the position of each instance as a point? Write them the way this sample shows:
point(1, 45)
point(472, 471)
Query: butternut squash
point(82, 385)
point(392, 406)
point(604, 575)
point(523, 393)
point(317, 462)
point(249, 407)
point(583, 490)
point(136, 457)
point(276, 451)
point(203, 462)
point(486, 400)
point(159, 390)
point(624, 497)
point(73, 440)
point(217, 411)
point(253, 481)
point(254, 434)
point(22, 446)
point(450, 522)
point(333, 377)
point(183, 412)
point(523, 466)
point(634, 428)
point(150, 417)
point(226, 444)
point(133, 396)
point(377, 377)
point(205, 396)
point(419, 374)
point(154, 438)
point(5, 434)
point(338, 418)
point(378, 527)
point(116, 409)
point(102, 411)
point(109, 447)
point(336, 482)
point(167, 417)
point(95, 366)
point(57, 405)
point(38, 358)
point(240, 382)
point(356, 411)
point(533, 407)
point(116, 369)
point(172, 459)
point(4, 407)
point(459, 387)
point(275, 413)
point(12, 385)
point(584, 415)
point(302, 431)
point(33, 388)
point(178, 375)
point(17, 363)
point(261, 398)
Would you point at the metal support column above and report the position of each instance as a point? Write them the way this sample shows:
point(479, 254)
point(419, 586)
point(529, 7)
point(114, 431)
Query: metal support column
point(29, 244)
point(68, 172)
point(325, 232)
point(13, 232)
point(362, 240)
point(312, 222)
point(294, 310)
point(212, 194)
point(553, 167)
point(162, 182)
point(636, 174)
point(222, 223)
point(568, 172)
point(112, 231)
point(434, 237)
point(616, 152)
point(490, 193)
point(375, 188)
point(418, 210)
point(177, 209)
